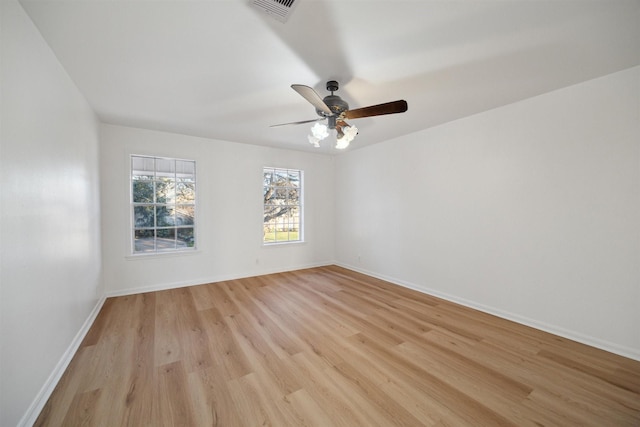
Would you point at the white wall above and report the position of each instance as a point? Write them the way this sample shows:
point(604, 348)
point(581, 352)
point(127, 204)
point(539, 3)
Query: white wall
point(229, 211)
point(50, 233)
point(530, 211)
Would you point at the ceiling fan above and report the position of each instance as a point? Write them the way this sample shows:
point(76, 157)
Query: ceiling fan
point(336, 111)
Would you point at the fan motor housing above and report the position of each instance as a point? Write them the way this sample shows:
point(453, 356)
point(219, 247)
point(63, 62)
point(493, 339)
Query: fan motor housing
point(336, 104)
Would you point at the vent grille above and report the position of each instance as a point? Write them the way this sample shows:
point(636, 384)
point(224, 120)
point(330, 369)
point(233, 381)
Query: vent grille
point(277, 9)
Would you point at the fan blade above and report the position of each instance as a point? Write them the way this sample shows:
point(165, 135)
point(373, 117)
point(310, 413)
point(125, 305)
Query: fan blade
point(312, 96)
point(298, 123)
point(377, 110)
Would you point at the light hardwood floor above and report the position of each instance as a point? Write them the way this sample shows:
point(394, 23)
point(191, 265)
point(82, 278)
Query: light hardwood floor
point(330, 347)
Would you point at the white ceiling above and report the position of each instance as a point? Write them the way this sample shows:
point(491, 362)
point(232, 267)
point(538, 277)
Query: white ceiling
point(221, 69)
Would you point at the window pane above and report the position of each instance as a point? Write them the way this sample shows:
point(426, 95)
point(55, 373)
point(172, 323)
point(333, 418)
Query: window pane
point(282, 236)
point(186, 170)
point(271, 213)
point(143, 216)
point(269, 234)
point(143, 191)
point(267, 177)
point(185, 192)
point(165, 191)
point(165, 238)
point(165, 215)
point(143, 167)
point(280, 195)
point(293, 195)
point(186, 238)
point(144, 241)
point(294, 178)
point(166, 168)
point(280, 177)
point(185, 215)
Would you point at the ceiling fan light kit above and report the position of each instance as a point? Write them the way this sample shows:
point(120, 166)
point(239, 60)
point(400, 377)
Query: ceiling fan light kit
point(335, 110)
point(319, 132)
point(345, 136)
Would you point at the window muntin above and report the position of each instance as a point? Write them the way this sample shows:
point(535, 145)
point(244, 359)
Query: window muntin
point(163, 201)
point(282, 195)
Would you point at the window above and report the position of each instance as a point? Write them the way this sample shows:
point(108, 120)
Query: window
point(282, 194)
point(163, 204)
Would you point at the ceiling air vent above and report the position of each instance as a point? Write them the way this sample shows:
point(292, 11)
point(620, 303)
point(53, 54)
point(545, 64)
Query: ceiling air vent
point(277, 9)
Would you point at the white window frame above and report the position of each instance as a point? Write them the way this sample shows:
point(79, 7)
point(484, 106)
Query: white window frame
point(180, 225)
point(278, 238)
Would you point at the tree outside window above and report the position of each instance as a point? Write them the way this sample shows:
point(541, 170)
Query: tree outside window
point(163, 200)
point(282, 195)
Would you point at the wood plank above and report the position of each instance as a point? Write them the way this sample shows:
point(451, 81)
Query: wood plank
point(225, 351)
point(211, 400)
point(308, 410)
point(172, 401)
point(82, 410)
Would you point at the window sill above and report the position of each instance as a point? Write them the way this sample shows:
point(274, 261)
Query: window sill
point(280, 244)
point(143, 256)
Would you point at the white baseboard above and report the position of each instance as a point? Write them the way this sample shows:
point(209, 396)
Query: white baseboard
point(552, 329)
point(30, 417)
